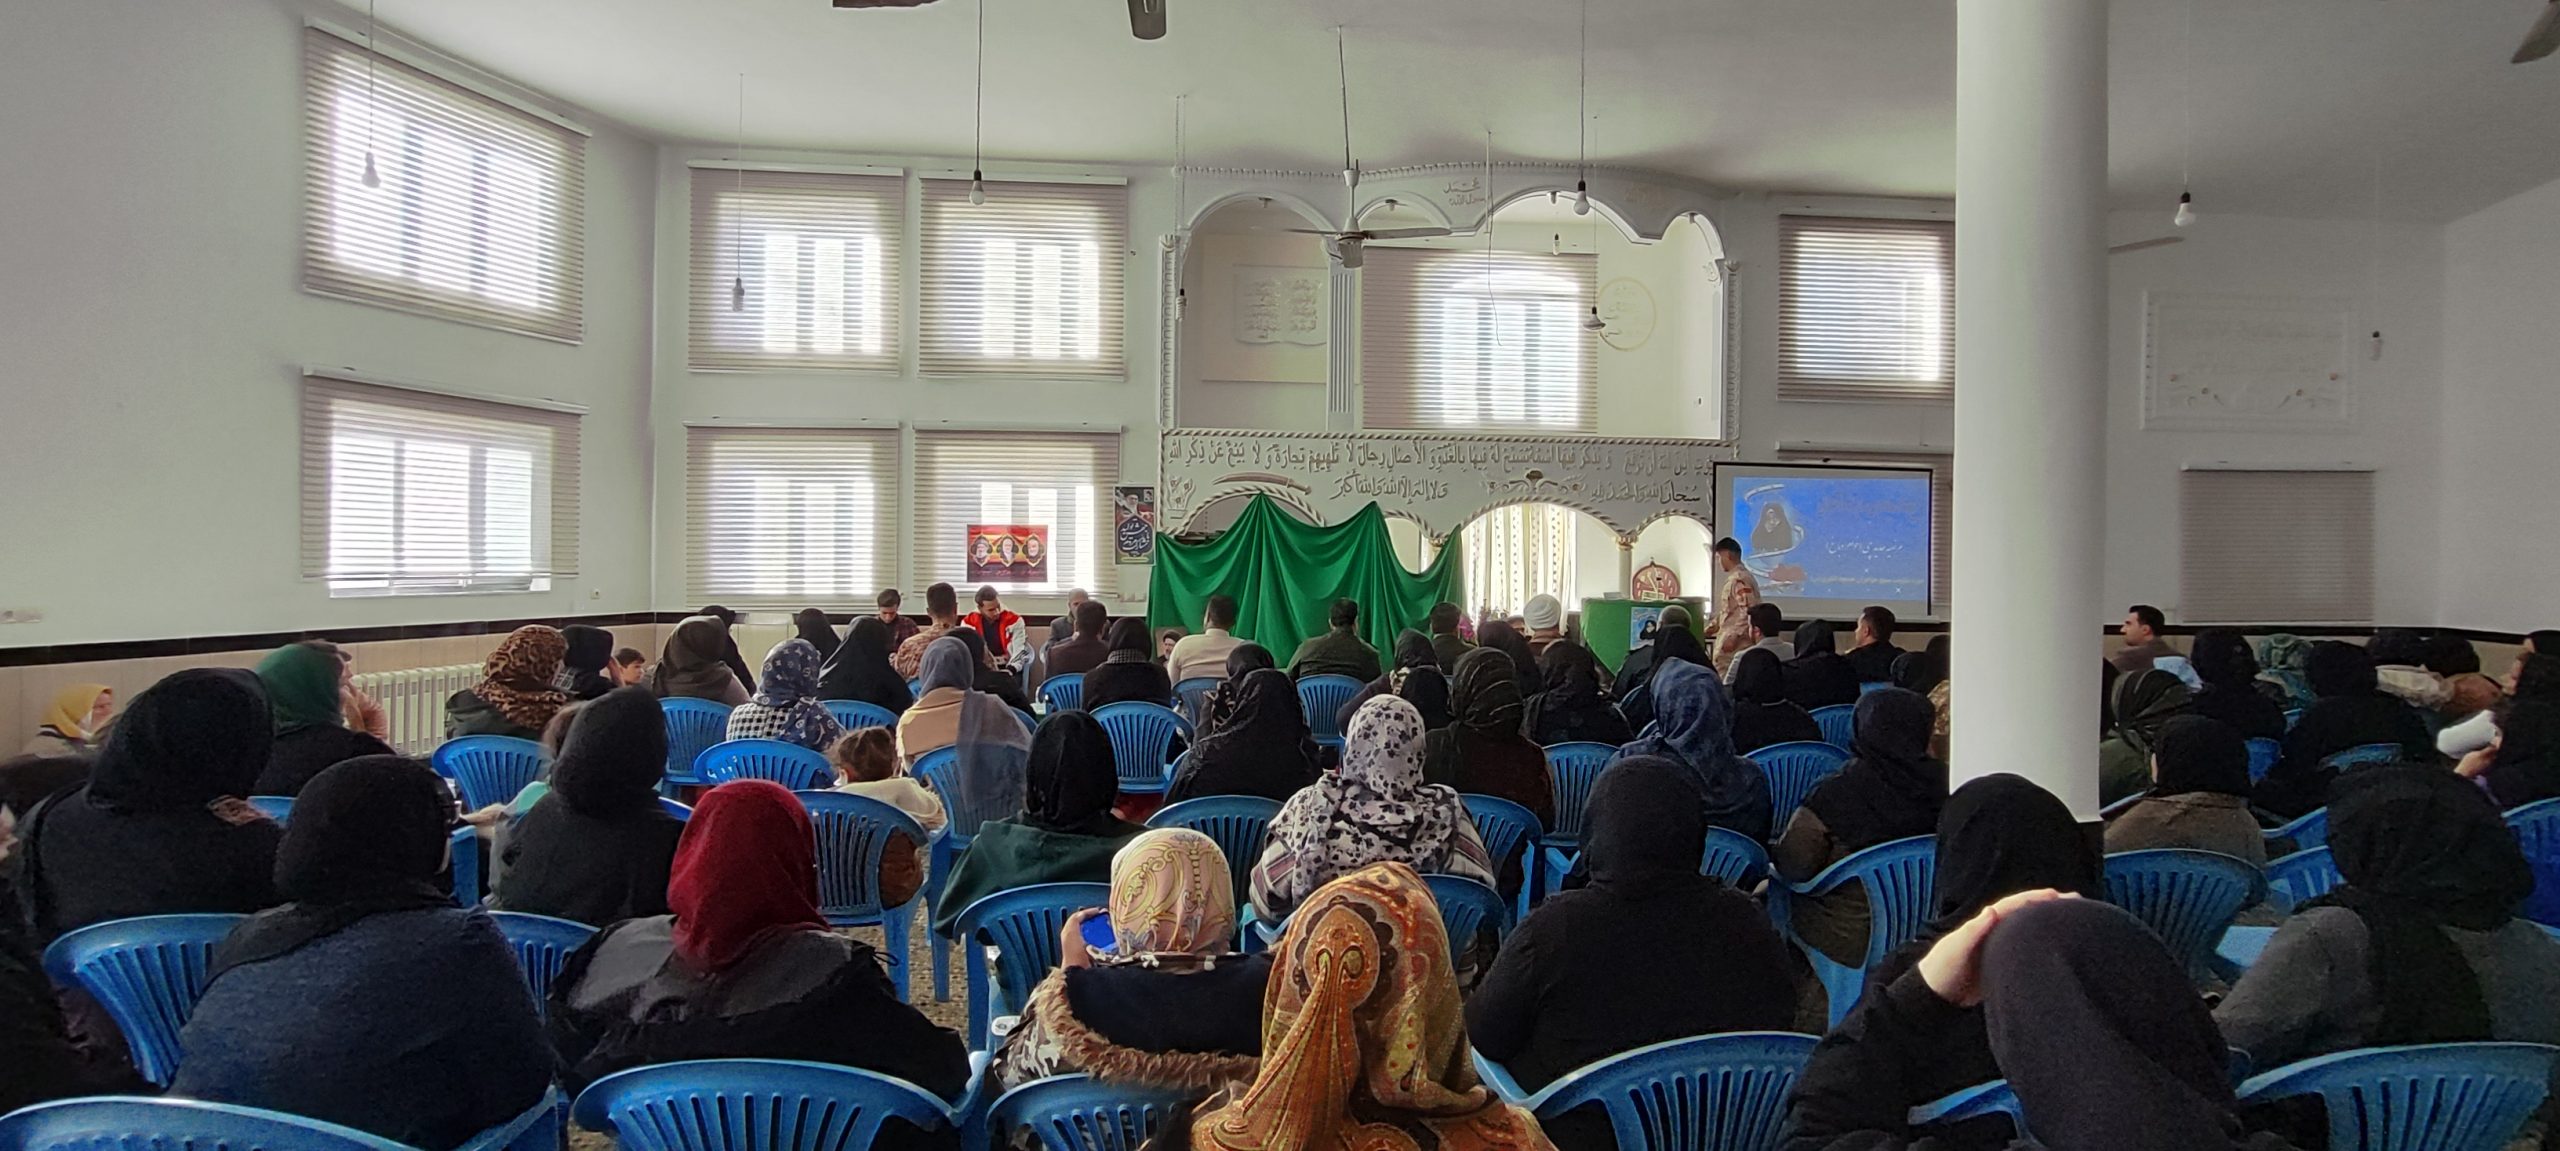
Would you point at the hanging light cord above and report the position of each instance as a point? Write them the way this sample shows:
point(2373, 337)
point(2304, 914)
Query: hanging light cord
point(737, 231)
point(2187, 68)
point(978, 75)
point(1582, 102)
point(372, 102)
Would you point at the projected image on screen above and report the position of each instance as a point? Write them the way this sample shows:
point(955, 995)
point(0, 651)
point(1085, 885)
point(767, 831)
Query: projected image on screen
point(1832, 540)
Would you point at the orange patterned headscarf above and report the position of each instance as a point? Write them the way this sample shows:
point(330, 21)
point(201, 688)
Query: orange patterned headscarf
point(1362, 1016)
point(517, 677)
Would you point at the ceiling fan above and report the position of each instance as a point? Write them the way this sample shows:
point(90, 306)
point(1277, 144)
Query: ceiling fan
point(1348, 248)
point(2544, 39)
point(1146, 17)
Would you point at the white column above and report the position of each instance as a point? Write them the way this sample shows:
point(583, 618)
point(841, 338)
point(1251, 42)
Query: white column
point(2031, 342)
point(1342, 362)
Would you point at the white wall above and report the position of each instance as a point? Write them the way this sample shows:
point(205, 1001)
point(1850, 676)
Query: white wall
point(150, 216)
point(680, 395)
point(2501, 407)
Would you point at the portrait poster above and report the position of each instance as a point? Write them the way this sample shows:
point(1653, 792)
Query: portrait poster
point(1642, 621)
point(1133, 525)
point(1008, 553)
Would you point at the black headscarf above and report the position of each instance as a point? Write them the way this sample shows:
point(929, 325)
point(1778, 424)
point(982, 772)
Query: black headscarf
point(2526, 766)
point(2337, 669)
point(1413, 649)
point(1427, 689)
point(1130, 641)
point(582, 666)
point(614, 755)
point(1571, 675)
point(1758, 680)
point(1890, 789)
point(2194, 753)
point(194, 737)
point(1484, 695)
point(996, 681)
point(2101, 1035)
point(1502, 637)
point(2144, 700)
point(860, 669)
point(1244, 660)
point(2451, 655)
point(1264, 748)
point(1572, 707)
point(2422, 850)
point(367, 838)
point(1644, 826)
point(1071, 781)
point(811, 624)
point(2222, 658)
point(729, 654)
point(2396, 647)
point(1815, 637)
point(1923, 669)
point(2000, 835)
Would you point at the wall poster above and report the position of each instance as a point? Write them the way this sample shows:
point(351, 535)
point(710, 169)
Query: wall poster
point(1008, 553)
point(1133, 525)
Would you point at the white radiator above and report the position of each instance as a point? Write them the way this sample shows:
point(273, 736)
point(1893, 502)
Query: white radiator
point(413, 699)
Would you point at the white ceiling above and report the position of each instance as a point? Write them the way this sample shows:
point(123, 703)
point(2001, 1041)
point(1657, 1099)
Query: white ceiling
point(2297, 103)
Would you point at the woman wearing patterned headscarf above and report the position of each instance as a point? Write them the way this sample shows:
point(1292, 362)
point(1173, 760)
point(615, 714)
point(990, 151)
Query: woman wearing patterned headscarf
point(1168, 1005)
point(1693, 727)
point(1482, 752)
point(1375, 808)
point(516, 695)
point(785, 706)
point(1364, 1045)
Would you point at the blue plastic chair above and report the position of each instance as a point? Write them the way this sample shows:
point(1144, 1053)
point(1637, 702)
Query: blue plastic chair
point(141, 1123)
point(2186, 897)
point(1870, 687)
point(940, 771)
point(1993, 1098)
point(2310, 831)
point(1735, 858)
point(1468, 909)
point(488, 769)
point(1794, 770)
point(692, 725)
point(1708, 1093)
point(1900, 879)
point(2292, 716)
point(682, 812)
point(1321, 697)
point(1572, 770)
point(2363, 755)
point(854, 714)
point(2537, 829)
point(1239, 823)
point(1063, 692)
point(2301, 877)
point(752, 1105)
point(1509, 830)
point(147, 972)
point(276, 807)
point(855, 836)
point(1193, 693)
point(1142, 736)
point(780, 761)
point(1839, 723)
point(2426, 1097)
point(542, 944)
point(1021, 926)
point(1076, 1113)
point(915, 687)
point(2263, 755)
point(463, 847)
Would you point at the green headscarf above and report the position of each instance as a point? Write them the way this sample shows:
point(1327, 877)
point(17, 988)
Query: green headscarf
point(302, 686)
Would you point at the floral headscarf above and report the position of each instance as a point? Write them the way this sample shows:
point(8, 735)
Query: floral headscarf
point(1375, 808)
point(517, 679)
point(785, 705)
point(1364, 1046)
point(1173, 903)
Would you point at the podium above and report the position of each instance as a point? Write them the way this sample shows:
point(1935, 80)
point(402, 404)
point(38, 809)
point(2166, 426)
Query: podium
point(1609, 626)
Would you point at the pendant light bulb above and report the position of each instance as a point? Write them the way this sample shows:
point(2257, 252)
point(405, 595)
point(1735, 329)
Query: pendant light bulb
point(1581, 199)
point(977, 189)
point(372, 178)
point(738, 293)
point(2186, 209)
point(1593, 322)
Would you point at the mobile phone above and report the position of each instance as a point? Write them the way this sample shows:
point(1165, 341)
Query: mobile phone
point(1098, 934)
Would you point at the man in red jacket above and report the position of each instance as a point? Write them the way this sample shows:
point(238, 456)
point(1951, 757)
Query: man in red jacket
point(1003, 631)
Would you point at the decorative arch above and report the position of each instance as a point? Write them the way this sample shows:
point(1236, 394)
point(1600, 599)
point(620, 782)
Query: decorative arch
point(1705, 523)
point(1314, 216)
point(1287, 495)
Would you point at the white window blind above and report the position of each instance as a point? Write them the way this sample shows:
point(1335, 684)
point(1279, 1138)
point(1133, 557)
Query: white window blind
point(1942, 503)
point(1510, 554)
point(1028, 283)
point(2275, 547)
point(1460, 340)
point(413, 493)
point(1866, 309)
point(790, 517)
point(1060, 480)
point(817, 255)
point(477, 211)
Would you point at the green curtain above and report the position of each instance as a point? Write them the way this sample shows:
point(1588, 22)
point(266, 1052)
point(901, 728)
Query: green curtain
point(1285, 576)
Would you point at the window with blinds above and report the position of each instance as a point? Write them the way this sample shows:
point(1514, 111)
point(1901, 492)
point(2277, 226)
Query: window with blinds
point(1942, 503)
point(1058, 480)
point(422, 195)
point(1029, 283)
point(1461, 341)
point(1510, 554)
point(1866, 309)
point(795, 270)
point(2275, 547)
point(415, 493)
point(790, 517)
